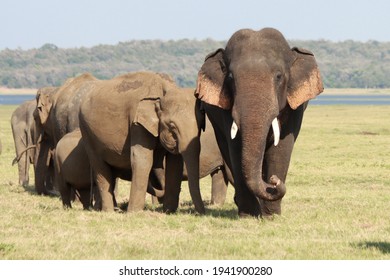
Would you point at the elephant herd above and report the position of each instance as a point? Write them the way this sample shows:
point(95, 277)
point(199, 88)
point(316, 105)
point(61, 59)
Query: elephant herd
point(238, 125)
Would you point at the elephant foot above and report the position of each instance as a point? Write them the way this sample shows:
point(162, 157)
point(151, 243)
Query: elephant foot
point(271, 208)
point(118, 209)
point(169, 211)
point(248, 205)
point(52, 193)
point(66, 206)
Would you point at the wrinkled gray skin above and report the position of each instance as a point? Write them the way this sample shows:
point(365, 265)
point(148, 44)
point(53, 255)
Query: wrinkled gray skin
point(119, 125)
point(180, 124)
point(254, 80)
point(58, 111)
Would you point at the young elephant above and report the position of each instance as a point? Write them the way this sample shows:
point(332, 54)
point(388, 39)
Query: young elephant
point(180, 124)
point(72, 169)
point(73, 172)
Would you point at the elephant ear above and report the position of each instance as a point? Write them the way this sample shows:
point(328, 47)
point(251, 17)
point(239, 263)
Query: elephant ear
point(146, 116)
point(305, 80)
point(211, 86)
point(152, 87)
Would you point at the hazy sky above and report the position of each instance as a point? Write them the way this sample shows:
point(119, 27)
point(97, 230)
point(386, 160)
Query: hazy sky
point(74, 23)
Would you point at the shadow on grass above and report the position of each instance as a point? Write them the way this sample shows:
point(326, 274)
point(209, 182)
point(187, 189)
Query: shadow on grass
point(384, 247)
point(187, 208)
point(31, 190)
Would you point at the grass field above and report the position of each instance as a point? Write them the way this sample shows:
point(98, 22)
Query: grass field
point(337, 206)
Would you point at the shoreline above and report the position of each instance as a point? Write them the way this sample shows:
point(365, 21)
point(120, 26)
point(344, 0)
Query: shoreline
point(17, 91)
point(356, 91)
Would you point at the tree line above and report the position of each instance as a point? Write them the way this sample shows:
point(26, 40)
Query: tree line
point(346, 64)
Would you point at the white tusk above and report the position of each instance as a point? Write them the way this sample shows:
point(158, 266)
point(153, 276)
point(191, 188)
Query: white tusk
point(233, 130)
point(276, 130)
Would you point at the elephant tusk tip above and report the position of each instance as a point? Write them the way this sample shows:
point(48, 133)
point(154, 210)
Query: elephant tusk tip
point(233, 130)
point(276, 130)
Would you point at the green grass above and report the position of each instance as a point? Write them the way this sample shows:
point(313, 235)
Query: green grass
point(337, 206)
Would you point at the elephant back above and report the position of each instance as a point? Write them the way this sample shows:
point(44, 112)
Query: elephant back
point(67, 105)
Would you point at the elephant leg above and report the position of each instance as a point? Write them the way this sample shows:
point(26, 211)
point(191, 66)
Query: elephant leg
point(65, 191)
point(49, 177)
point(141, 158)
point(85, 197)
point(23, 168)
point(247, 203)
point(173, 183)
point(277, 159)
point(41, 169)
point(141, 166)
point(218, 187)
point(104, 181)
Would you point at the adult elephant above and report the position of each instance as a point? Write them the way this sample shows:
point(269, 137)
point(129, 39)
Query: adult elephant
point(256, 81)
point(181, 122)
point(119, 125)
point(58, 111)
point(25, 134)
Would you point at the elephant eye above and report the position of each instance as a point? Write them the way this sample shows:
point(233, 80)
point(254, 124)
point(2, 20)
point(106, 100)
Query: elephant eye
point(172, 125)
point(173, 130)
point(278, 77)
point(230, 76)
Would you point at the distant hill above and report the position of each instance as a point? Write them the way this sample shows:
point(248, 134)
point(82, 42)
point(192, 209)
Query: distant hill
point(347, 64)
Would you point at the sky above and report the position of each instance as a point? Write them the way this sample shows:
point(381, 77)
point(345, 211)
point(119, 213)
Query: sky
point(30, 24)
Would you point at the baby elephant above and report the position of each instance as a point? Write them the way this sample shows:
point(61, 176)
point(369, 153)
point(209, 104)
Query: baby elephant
point(73, 172)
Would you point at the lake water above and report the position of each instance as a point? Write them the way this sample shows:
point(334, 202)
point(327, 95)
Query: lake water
point(348, 99)
point(322, 99)
point(10, 99)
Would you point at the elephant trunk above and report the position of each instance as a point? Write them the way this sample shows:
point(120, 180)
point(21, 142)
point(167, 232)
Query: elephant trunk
point(191, 161)
point(254, 127)
point(17, 158)
point(154, 191)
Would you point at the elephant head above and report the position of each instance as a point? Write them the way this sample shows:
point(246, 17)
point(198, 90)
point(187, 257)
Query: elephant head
point(255, 79)
point(179, 131)
point(176, 110)
point(45, 99)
